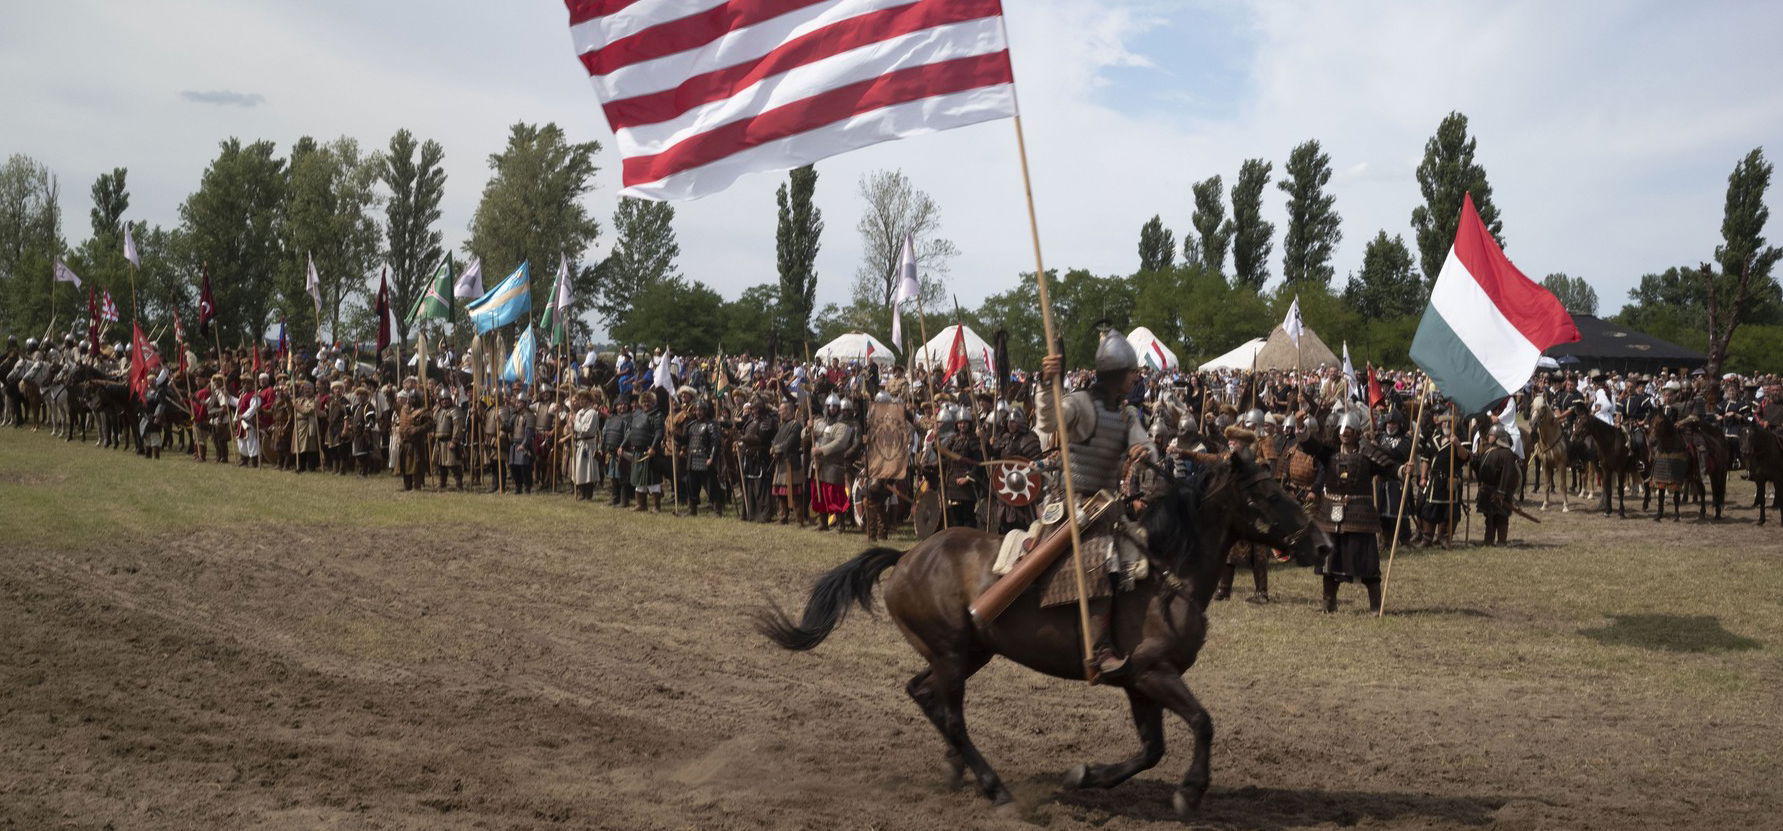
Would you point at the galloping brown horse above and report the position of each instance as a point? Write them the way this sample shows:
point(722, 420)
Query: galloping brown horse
point(1160, 624)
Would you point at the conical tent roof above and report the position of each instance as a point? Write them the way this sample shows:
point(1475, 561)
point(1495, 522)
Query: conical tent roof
point(1280, 352)
point(1152, 352)
point(934, 353)
point(1239, 358)
point(855, 346)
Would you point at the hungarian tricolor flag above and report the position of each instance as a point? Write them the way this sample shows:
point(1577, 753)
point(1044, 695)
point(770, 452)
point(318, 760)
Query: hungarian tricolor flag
point(1487, 324)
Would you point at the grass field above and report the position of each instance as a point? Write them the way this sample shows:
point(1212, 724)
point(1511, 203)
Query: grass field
point(207, 646)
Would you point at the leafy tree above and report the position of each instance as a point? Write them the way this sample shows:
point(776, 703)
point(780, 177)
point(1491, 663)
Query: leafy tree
point(1016, 310)
point(99, 259)
point(1216, 315)
point(685, 317)
point(1446, 175)
point(643, 257)
point(1313, 224)
point(1387, 286)
point(532, 211)
point(1251, 237)
point(797, 239)
point(1157, 246)
point(329, 200)
point(1083, 304)
point(30, 239)
point(1744, 259)
point(1573, 292)
point(233, 223)
point(1211, 224)
point(412, 251)
point(1669, 305)
point(748, 320)
point(895, 209)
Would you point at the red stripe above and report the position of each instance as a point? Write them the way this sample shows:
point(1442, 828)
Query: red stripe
point(913, 84)
point(1534, 310)
point(827, 42)
point(690, 32)
point(582, 11)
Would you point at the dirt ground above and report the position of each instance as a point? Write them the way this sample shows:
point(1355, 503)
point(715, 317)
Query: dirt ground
point(456, 661)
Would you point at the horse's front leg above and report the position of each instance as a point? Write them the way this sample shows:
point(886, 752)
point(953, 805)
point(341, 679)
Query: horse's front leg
point(1148, 719)
point(1168, 689)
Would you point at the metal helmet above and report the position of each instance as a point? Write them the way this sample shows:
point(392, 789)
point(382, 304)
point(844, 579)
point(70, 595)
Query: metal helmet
point(833, 400)
point(1015, 418)
point(848, 405)
point(1115, 354)
point(947, 414)
point(1353, 420)
point(1500, 436)
point(30, 344)
point(882, 397)
point(1252, 418)
point(1187, 424)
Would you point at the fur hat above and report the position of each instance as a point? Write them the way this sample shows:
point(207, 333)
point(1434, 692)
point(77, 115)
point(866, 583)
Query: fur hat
point(1239, 433)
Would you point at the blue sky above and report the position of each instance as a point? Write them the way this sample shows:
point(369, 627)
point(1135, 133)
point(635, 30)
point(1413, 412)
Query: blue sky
point(1607, 129)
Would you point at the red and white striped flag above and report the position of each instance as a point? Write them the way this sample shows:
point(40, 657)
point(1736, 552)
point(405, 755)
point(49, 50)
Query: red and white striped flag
point(700, 92)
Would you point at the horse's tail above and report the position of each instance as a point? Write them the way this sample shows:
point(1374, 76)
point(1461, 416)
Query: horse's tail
point(829, 600)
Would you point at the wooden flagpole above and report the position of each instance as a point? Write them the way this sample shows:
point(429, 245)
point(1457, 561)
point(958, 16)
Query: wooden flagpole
point(1058, 406)
point(1405, 489)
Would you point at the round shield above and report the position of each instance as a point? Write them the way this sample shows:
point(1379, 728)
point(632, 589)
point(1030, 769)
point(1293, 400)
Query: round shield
point(857, 496)
point(1017, 482)
point(928, 514)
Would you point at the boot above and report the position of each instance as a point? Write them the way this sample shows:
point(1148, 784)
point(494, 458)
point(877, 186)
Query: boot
point(1330, 604)
point(616, 494)
point(643, 502)
point(408, 482)
point(656, 503)
point(823, 522)
point(1223, 589)
point(1260, 576)
point(693, 509)
point(1374, 595)
point(1108, 666)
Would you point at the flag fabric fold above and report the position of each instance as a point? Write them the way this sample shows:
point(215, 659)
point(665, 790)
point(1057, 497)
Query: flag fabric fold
point(957, 359)
point(207, 304)
point(519, 364)
point(64, 274)
point(1374, 389)
point(908, 289)
point(504, 304)
point(92, 323)
point(383, 312)
point(130, 248)
point(139, 363)
point(663, 378)
point(1292, 324)
point(555, 320)
point(312, 283)
point(699, 92)
point(1487, 323)
point(470, 281)
point(436, 302)
point(108, 311)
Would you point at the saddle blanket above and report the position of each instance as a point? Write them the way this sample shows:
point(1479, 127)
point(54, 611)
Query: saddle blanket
point(1057, 585)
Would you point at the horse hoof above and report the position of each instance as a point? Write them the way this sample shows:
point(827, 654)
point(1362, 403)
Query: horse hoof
point(1075, 777)
point(1186, 806)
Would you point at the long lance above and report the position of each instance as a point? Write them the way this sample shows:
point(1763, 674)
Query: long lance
point(1399, 520)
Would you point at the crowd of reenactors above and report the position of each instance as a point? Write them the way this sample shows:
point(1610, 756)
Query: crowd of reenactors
point(865, 446)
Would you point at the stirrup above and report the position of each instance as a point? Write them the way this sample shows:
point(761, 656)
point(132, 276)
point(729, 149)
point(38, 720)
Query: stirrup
point(1107, 667)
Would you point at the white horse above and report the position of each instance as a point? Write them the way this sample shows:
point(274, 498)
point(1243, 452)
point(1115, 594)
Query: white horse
point(1549, 451)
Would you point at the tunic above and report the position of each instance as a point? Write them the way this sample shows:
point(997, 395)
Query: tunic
point(247, 426)
point(448, 427)
point(412, 429)
point(1500, 474)
point(586, 430)
point(1345, 507)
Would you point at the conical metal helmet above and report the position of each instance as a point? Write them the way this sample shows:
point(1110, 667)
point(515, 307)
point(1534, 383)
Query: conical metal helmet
point(1354, 420)
point(1115, 354)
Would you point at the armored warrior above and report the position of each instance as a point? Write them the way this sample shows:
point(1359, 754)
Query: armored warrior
point(1345, 506)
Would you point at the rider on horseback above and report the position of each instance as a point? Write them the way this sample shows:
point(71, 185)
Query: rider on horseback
point(1104, 432)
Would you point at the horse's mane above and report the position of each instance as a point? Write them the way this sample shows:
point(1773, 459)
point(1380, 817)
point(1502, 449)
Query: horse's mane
point(1171, 523)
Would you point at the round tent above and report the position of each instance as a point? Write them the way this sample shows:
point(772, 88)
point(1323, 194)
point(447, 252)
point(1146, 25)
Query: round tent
point(1152, 352)
point(1240, 358)
point(935, 352)
point(856, 346)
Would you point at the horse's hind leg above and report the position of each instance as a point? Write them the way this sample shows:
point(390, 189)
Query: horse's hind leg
point(942, 696)
point(1170, 691)
point(1148, 719)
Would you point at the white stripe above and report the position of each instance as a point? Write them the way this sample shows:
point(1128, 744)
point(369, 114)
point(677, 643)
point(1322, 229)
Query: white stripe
point(1476, 320)
point(943, 43)
point(912, 118)
point(600, 31)
point(739, 46)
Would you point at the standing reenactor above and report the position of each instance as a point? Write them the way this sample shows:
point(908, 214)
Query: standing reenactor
point(1345, 507)
point(756, 445)
point(613, 448)
point(832, 440)
point(306, 429)
point(368, 439)
point(496, 414)
point(644, 449)
point(337, 430)
point(789, 465)
point(1442, 458)
point(960, 472)
point(1500, 475)
point(414, 425)
point(448, 429)
point(585, 430)
point(1254, 556)
point(521, 447)
point(703, 442)
point(1390, 491)
point(544, 425)
point(219, 405)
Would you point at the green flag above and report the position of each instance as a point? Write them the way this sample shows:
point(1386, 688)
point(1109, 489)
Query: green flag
point(436, 302)
point(555, 321)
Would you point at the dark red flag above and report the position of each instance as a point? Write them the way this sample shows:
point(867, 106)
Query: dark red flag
point(1374, 389)
point(92, 323)
point(383, 313)
point(956, 354)
point(207, 305)
point(139, 362)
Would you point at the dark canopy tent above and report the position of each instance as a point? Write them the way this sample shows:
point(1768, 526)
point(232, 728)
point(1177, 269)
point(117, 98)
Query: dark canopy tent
point(1612, 347)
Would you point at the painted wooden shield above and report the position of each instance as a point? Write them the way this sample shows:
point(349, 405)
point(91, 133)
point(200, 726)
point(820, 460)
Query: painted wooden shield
point(1017, 482)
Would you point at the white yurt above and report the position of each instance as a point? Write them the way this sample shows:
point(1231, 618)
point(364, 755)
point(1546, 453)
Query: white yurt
point(1152, 352)
point(1241, 358)
point(856, 346)
point(935, 352)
